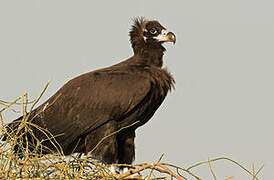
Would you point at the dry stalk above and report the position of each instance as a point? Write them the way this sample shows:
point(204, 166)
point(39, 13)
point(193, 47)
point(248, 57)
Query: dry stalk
point(33, 165)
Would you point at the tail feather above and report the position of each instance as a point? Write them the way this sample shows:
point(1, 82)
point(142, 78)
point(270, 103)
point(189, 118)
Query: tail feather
point(12, 127)
point(26, 141)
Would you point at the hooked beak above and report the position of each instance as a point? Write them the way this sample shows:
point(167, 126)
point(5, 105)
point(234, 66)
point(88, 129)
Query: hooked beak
point(171, 37)
point(166, 37)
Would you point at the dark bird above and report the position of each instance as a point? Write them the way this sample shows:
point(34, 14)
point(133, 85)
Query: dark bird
point(96, 104)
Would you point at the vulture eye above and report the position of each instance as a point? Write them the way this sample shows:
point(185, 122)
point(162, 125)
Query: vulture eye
point(153, 31)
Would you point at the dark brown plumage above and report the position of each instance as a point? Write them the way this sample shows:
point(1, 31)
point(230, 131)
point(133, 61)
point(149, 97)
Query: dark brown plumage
point(93, 105)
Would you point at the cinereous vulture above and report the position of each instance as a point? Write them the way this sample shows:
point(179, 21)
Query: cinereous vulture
point(99, 103)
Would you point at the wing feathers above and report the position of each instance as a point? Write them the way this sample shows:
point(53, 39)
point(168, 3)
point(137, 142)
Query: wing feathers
point(91, 100)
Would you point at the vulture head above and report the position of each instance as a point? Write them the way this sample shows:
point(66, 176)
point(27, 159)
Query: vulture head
point(148, 35)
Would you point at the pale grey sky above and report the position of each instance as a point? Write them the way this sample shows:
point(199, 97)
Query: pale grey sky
point(223, 63)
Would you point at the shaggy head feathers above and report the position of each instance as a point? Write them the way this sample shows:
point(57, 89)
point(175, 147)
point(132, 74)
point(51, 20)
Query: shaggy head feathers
point(141, 35)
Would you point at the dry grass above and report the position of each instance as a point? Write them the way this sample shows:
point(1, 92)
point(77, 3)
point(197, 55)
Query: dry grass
point(57, 166)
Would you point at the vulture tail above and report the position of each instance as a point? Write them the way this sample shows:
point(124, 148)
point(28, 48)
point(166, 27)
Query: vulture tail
point(11, 128)
point(21, 139)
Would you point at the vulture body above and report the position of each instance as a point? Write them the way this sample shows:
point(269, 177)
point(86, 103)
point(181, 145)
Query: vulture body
point(96, 104)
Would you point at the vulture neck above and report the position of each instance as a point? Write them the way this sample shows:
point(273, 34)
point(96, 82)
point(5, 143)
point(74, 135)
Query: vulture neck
point(151, 55)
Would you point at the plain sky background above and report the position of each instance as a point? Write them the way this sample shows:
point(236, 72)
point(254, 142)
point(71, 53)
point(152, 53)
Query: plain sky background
point(223, 64)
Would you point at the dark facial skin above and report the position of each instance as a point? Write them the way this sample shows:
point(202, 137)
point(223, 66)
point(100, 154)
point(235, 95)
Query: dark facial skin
point(152, 29)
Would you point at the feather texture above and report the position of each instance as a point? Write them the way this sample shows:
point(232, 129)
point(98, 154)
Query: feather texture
point(96, 104)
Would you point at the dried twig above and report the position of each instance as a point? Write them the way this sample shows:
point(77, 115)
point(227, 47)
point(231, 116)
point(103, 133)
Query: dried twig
point(57, 166)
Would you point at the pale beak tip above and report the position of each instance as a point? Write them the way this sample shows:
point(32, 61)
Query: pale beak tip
point(171, 37)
